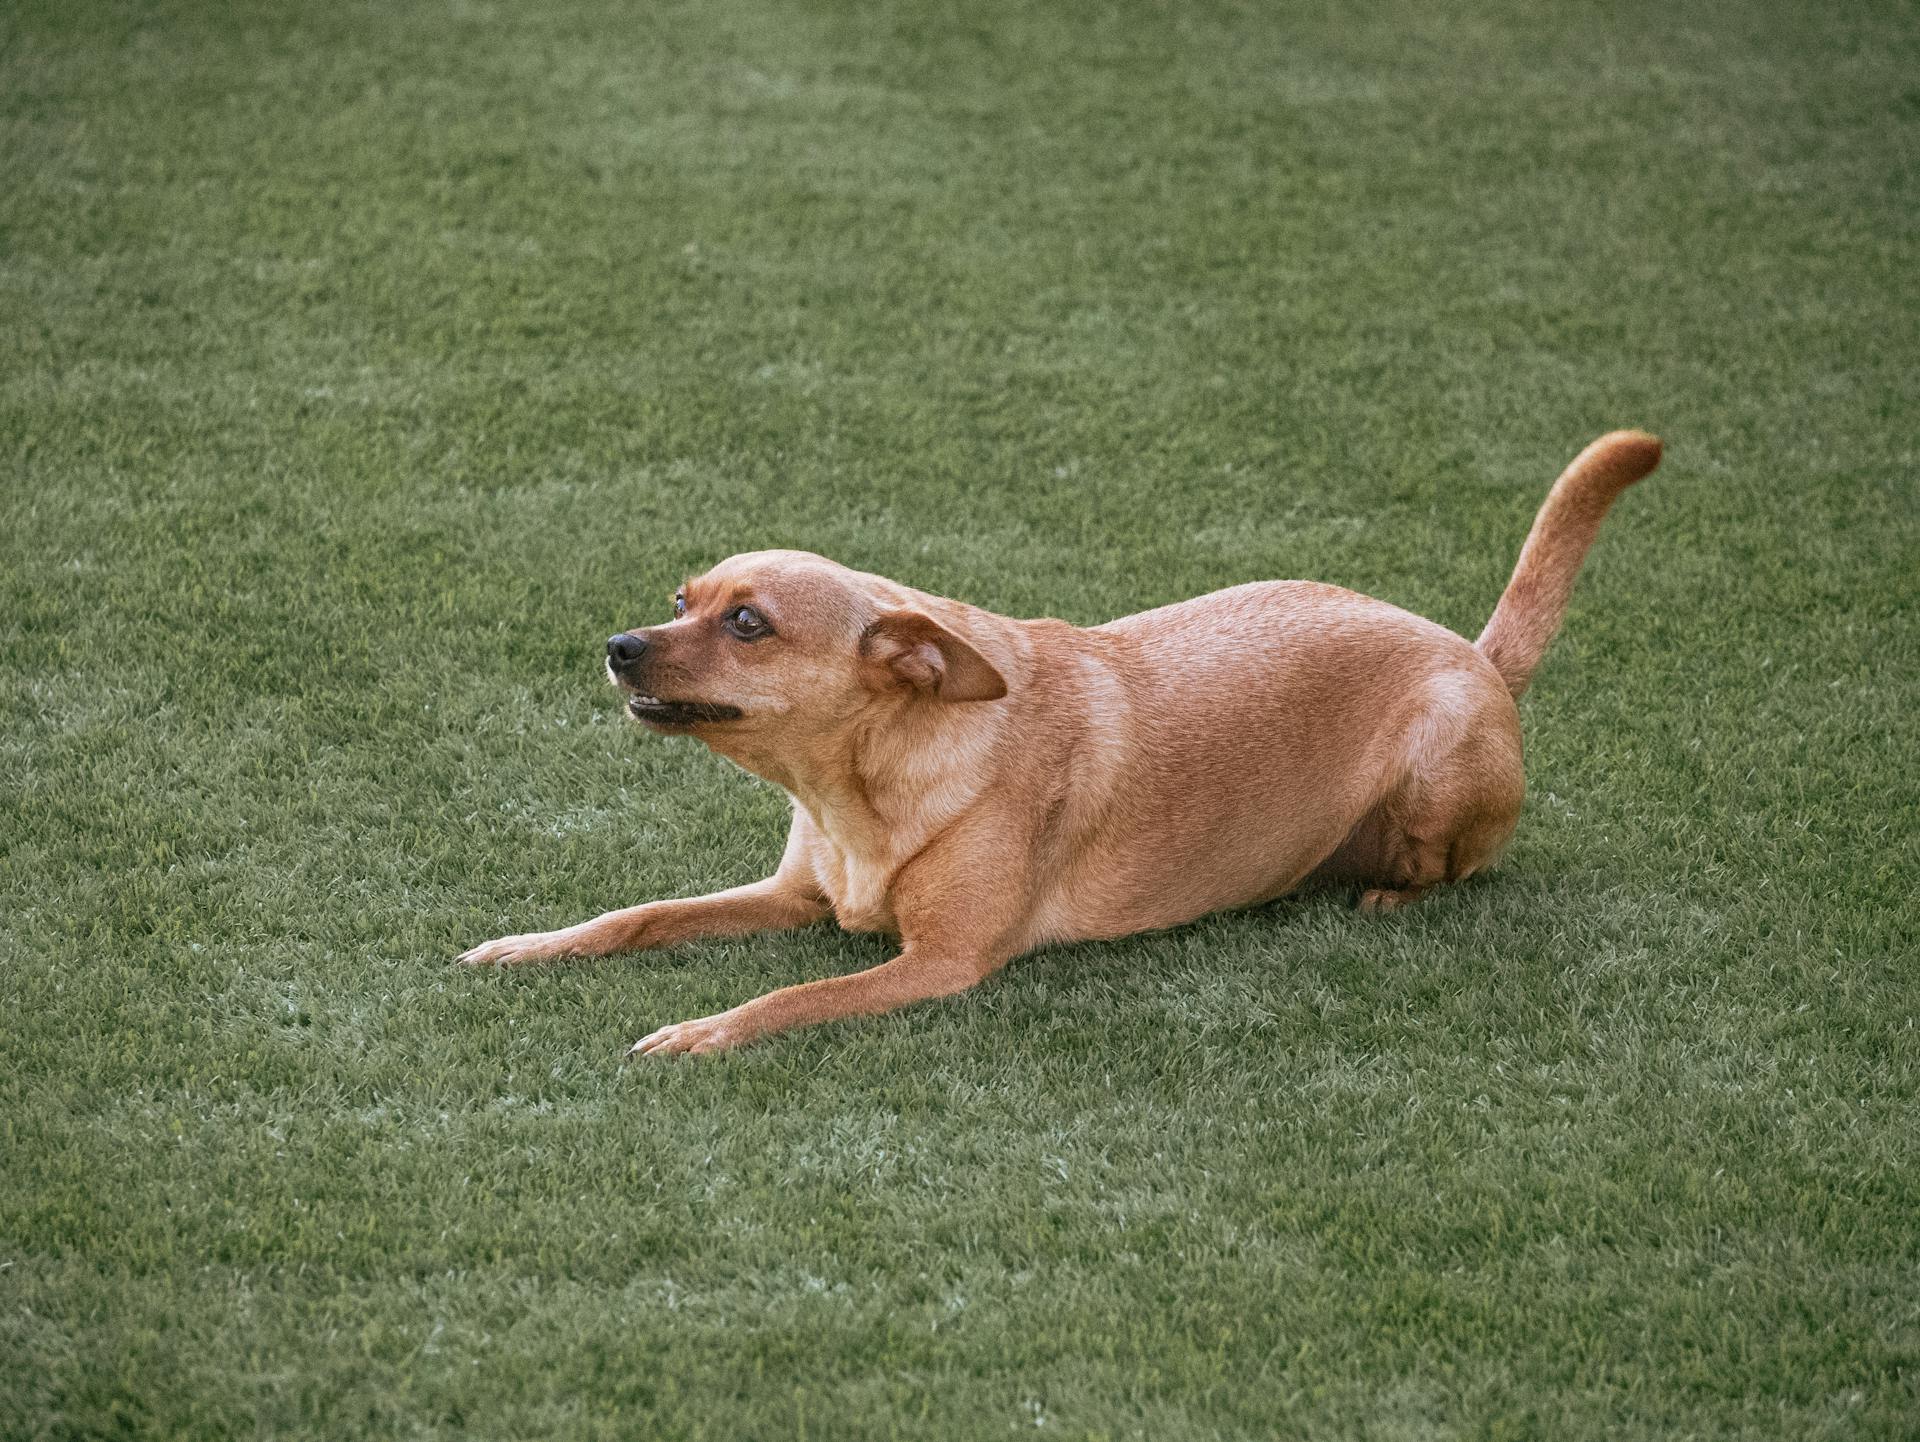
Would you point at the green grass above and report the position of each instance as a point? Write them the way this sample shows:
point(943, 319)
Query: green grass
point(367, 364)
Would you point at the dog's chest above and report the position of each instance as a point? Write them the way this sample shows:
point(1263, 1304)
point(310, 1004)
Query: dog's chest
point(853, 872)
point(859, 895)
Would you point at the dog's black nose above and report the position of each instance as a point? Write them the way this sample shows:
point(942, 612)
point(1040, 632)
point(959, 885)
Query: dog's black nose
point(625, 649)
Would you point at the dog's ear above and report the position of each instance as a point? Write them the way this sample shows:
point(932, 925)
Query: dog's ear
point(906, 648)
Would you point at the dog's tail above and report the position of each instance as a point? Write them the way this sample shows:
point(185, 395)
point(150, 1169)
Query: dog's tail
point(1535, 600)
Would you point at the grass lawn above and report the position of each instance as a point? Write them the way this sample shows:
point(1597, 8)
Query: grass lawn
point(366, 365)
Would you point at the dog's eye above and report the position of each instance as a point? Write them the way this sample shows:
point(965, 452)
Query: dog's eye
point(679, 606)
point(748, 624)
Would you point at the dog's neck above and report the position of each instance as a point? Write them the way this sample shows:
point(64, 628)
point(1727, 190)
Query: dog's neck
point(881, 784)
point(887, 782)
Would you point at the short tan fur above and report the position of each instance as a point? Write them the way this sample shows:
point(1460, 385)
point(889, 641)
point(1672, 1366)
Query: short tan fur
point(978, 785)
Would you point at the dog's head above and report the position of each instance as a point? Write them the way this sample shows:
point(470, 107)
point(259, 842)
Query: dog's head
point(786, 641)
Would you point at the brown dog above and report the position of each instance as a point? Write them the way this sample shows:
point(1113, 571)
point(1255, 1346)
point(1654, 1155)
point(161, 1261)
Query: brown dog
point(979, 785)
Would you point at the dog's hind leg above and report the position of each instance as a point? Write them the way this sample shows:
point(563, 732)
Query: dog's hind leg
point(1453, 809)
point(1429, 838)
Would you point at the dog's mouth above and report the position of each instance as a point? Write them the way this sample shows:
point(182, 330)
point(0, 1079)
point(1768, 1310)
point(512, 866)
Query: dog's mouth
point(656, 712)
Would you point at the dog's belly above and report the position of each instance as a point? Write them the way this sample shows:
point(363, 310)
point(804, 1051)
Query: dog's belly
point(1262, 724)
point(1239, 857)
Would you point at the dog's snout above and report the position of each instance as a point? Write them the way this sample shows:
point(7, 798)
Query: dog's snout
point(625, 649)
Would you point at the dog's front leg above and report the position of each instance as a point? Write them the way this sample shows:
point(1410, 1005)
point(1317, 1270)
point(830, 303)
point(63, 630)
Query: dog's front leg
point(775, 904)
point(961, 917)
point(920, 973)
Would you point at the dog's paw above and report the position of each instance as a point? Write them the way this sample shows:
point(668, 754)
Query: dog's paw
point(1389, 898)
point(529, 946)
point(709, 1033)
